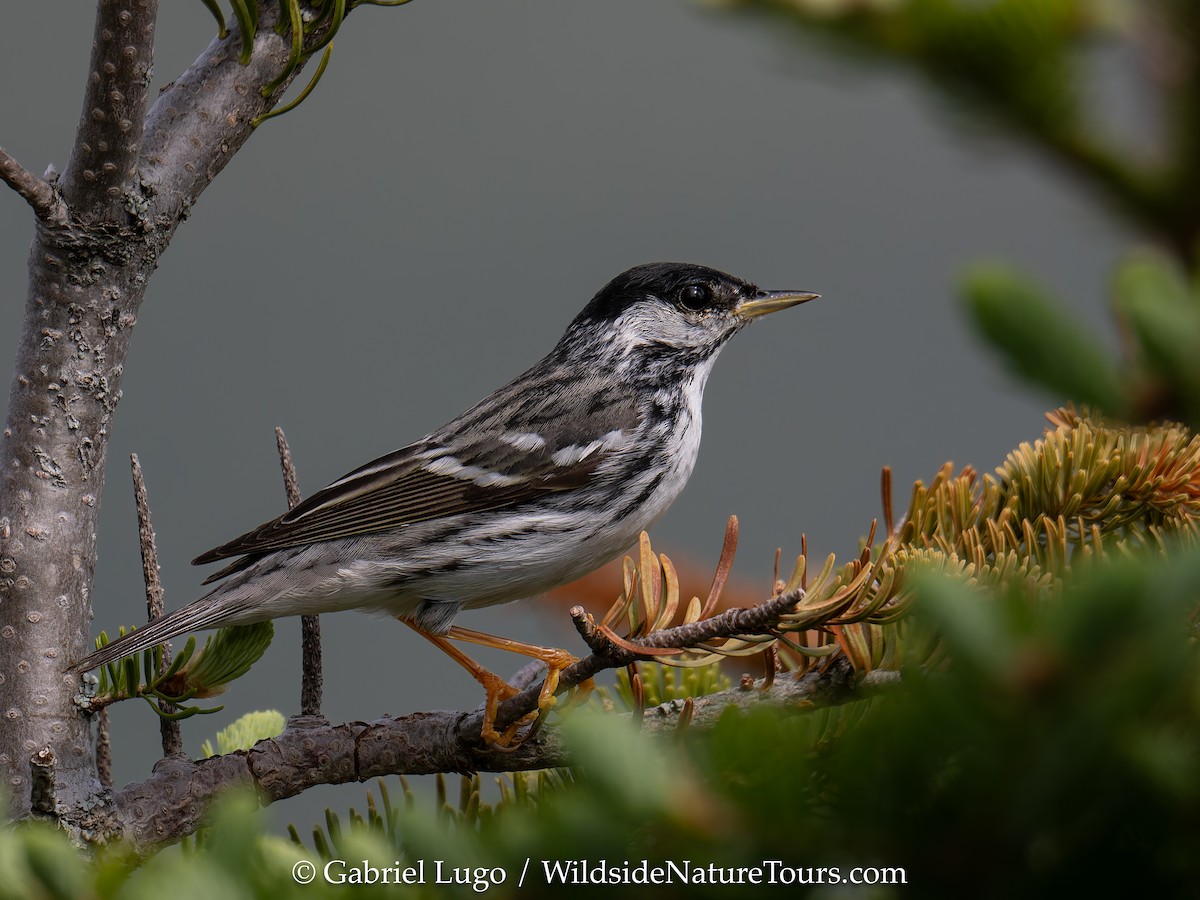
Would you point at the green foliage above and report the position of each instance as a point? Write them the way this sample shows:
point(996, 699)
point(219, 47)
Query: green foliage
point(662, 683)
point(226, 656)
point(1160, 313)
point(246, 732)
point(1009, 53)
point(1052, 753)
point(238, 860)
point(1040, 341)
point(309, 26)
point(1055, 752)
point(1088, 489)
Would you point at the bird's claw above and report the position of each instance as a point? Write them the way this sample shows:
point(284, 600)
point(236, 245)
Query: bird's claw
point(499, 690)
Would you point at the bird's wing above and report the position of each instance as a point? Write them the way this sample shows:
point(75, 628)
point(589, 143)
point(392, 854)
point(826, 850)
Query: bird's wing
point(460, 469)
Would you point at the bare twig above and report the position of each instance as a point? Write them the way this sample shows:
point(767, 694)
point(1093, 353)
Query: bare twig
point(741, 620)
point(150, 569)
point(172, 739)
point(312, 673)
point(37, 193)
point(832, 685)
point(607, 654)
point(290, 484)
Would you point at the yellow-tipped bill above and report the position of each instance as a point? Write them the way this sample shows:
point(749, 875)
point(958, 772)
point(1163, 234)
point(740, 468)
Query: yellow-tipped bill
point(772, 301)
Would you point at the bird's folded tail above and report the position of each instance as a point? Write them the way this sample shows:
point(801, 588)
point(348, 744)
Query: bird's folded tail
point(173, 624)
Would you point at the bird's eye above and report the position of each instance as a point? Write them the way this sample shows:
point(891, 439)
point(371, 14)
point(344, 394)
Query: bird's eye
point(696, 296)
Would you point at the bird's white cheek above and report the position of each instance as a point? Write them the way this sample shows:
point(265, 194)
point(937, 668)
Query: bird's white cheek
point(654, 323)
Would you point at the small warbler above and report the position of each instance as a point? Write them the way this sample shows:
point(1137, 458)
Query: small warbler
point(546, 479)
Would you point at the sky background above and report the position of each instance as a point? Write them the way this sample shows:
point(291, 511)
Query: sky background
point(465, 177)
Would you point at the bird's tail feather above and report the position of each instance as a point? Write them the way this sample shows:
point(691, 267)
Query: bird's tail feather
point(193, 617)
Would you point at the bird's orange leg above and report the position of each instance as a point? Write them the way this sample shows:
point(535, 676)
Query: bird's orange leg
point(556, 660)
point(496, 688)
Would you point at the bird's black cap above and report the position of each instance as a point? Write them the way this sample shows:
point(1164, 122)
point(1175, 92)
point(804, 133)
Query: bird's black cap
point(667, 281)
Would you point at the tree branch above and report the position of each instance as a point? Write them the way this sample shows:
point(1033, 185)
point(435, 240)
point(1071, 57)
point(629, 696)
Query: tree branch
point(606, 654)
point(102, 173)
point(131, 180)
point(87, 278)
point(172, 736)
point(172, 802)
point(37, 193)
point(311, 674)
point(201, 119)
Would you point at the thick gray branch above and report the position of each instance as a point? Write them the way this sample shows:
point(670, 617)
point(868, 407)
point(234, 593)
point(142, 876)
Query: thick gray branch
point(172, 802)
point(102, 171)
point(201, 119)
point(89, 266)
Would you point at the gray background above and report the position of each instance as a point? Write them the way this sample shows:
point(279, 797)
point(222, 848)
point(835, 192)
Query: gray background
point(467, 174)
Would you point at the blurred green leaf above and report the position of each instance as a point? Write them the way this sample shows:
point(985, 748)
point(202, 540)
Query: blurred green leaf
point(1039, 341)
point(1162, 313)
point(53, 866)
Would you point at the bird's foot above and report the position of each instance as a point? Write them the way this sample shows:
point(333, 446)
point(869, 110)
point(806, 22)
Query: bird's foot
point(497, 690)
point(556, 662)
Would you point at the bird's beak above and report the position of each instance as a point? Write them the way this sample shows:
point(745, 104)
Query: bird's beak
point(771, 301)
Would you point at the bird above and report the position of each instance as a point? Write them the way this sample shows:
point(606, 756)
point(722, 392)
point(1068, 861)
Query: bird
point(541, 482)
